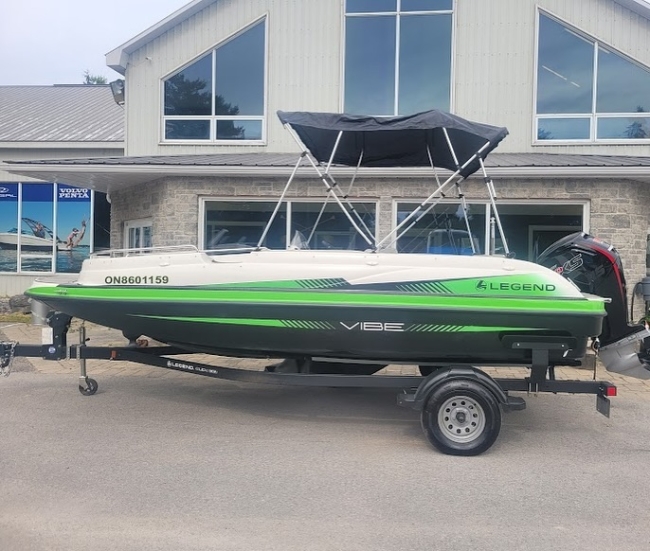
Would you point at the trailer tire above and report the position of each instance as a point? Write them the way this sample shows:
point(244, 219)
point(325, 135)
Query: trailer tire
point(461, 417)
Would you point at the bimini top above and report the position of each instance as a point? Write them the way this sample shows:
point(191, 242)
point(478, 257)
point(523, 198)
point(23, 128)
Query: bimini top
point(395, 141)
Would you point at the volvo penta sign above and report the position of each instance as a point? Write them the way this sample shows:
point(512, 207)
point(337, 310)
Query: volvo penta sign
point(72, 193)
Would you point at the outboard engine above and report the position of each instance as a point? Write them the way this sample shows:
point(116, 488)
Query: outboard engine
point(596, 268)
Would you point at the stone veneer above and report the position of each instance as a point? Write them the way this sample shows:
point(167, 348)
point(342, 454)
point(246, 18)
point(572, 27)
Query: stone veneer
point(619, 209)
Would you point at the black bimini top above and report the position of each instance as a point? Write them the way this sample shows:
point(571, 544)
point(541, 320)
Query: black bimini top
point(395, 141)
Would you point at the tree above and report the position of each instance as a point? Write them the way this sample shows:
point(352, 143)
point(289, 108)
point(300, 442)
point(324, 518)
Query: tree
point(193, 97)
point(93, 79)
point(636, 130)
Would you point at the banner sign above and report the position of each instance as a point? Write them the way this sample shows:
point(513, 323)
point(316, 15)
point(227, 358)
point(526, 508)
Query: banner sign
point(8, 192)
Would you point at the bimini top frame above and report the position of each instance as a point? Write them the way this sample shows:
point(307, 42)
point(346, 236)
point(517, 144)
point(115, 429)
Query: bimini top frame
point(430, 139)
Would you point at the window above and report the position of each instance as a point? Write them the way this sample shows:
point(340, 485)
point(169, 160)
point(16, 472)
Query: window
point(45, 227)
point(397, 56)
point(220, 97)
point(529, 228)
point(137, 234)
point(532, 227)
point(587, 91)
point(231, 224)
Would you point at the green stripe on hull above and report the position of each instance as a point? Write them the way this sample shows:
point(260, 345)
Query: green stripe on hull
point(285, 324)
point(320, 298)
point(430, 328)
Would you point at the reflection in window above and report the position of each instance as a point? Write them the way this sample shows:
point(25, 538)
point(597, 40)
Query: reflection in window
point(327, 226)
point(565, 70)
point(566, 82)
point(397, 56)
point(235, 71)
point(563, 129)
point(623, 86)
point(188, 92)
point(234, 224)
point(531, 228)
point(443, 230)
point(623, 128)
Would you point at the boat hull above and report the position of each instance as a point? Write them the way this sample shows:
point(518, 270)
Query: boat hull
point(370, 327)
point(376, 317)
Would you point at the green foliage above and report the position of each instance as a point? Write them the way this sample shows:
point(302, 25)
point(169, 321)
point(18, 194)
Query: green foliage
point(93, 79)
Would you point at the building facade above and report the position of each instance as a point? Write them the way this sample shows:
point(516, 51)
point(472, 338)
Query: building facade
point(206, 156)
point(36, 217)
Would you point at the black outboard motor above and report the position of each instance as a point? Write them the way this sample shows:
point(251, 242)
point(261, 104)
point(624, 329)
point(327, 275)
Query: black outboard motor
point(596, 268)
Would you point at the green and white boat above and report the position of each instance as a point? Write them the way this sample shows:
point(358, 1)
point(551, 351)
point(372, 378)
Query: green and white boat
point(347, 307)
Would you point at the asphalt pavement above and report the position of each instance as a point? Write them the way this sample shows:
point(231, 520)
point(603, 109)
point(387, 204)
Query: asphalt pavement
point(161, 460)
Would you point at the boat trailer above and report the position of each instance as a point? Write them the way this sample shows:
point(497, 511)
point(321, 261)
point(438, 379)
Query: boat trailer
point(460, 405)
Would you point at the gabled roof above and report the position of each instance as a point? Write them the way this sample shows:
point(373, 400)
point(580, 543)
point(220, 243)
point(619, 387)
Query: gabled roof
point(69, 114)
point(117, 58)
point(113, 173)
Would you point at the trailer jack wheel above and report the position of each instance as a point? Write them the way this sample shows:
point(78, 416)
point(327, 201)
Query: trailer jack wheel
point(87, 386)
point(461, 417)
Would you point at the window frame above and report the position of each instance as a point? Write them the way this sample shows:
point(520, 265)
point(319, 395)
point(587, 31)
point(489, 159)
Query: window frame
point(594, 116)
point(396, 14)
point(137, 223)
point(213, 119)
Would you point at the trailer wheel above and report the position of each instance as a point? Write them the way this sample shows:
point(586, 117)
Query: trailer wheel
point(90, 389)
point(461, 417)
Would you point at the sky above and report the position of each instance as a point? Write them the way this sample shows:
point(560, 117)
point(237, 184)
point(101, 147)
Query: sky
point(56, 41)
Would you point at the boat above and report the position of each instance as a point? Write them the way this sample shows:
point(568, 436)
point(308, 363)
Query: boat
point(34, 236)
point(349, 308)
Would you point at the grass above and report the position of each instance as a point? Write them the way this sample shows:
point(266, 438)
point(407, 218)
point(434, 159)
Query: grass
point(15, 317)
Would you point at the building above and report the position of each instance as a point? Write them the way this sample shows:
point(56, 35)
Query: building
point(206, 155)
point(52, 122)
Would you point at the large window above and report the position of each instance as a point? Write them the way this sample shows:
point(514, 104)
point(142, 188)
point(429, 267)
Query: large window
point(529, 228)
point(230, 224)
point(221, 96)
point(587, 91)
point(397, 56)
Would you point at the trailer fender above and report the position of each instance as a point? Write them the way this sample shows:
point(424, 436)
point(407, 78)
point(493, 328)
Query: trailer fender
point(443, 375)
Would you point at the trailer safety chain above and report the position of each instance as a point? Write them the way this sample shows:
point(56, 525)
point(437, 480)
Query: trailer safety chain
point(6, 357)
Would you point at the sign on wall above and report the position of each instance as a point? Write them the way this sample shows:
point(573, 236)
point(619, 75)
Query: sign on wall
point(8, 227)
point(73, 227)
point(44, 227)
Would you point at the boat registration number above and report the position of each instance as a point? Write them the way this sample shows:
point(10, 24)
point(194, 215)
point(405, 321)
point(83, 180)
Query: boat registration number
point(137, 280)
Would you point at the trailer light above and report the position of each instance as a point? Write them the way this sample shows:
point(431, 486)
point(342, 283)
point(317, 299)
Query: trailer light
point(610, 391)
